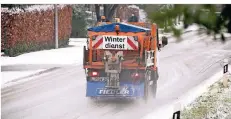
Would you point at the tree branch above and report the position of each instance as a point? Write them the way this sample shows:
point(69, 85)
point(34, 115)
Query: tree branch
point(112, 11)
point(97, 12)
point(105, 9)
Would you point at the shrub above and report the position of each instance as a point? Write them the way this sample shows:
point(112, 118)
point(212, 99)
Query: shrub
point(34, 30)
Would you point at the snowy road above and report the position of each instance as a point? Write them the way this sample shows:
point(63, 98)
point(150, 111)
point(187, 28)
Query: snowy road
point(60, 94)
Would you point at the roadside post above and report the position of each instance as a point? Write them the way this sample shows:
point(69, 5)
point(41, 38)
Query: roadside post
point(225, 68)
point(177, 108)
point(225, 73)
point(56, 26)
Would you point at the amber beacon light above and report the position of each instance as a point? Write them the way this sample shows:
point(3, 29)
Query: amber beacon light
point(117, 29)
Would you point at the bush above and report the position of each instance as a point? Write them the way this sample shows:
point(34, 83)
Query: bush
point(23, 47)
point(32, 31)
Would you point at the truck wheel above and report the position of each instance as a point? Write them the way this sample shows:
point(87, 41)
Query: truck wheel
point(154, 88)
point(146, 85)
point(154, 84)
point(145, 90)
point(85, 55)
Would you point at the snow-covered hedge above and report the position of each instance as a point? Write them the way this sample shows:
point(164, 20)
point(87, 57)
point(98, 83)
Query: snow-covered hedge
point(33, 29)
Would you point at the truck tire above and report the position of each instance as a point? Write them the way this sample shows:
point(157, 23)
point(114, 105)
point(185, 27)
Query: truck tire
point(85, 55)
point(147, 85)
point(146, 88)
point(154, 84)
point(154, 89)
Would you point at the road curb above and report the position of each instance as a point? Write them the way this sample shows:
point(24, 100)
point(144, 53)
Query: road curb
point(34, 74)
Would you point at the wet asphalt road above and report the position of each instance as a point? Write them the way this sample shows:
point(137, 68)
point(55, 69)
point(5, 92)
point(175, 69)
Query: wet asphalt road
point(60, 94)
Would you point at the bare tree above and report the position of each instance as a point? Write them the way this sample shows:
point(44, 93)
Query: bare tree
point(109, 11)
point(97, 11)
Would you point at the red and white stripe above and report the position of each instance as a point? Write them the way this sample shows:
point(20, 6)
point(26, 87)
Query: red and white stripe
point(132, 44)
point(98, 42)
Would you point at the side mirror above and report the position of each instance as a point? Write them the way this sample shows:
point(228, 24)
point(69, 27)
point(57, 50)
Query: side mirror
point(160, 45)
point(164, 40)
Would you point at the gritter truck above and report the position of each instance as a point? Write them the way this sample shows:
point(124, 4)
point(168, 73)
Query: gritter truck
point(121, 60)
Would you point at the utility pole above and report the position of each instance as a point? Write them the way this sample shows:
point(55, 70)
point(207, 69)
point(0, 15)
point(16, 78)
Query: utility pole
point(56, 27)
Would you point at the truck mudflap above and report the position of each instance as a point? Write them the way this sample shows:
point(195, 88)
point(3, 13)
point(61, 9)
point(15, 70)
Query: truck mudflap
point(127, 89)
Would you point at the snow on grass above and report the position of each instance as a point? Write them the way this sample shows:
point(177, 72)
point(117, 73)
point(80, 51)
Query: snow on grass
point(225, 34)
point(193, 27)
point(166, 111)
point(180, 25)
point(197, 32)
point(215, 104)
point(68, 55)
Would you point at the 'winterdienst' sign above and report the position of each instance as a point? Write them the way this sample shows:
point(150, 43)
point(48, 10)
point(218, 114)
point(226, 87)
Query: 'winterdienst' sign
point(115, 42)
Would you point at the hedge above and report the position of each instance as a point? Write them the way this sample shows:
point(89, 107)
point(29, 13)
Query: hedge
point(32, 31)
